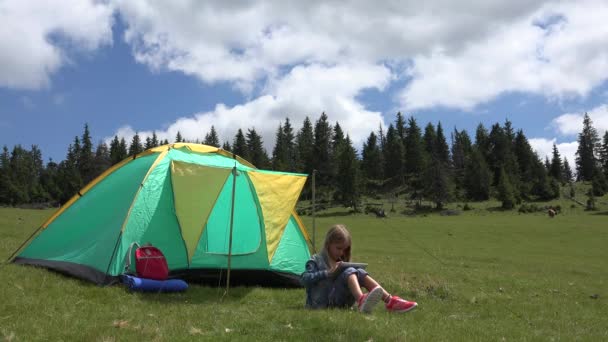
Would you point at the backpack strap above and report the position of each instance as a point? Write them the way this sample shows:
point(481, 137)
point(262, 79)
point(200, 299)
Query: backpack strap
point(128, 256)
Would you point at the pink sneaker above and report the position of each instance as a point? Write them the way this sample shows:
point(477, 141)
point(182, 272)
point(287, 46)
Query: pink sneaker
point(397, 304)
point(368, 300)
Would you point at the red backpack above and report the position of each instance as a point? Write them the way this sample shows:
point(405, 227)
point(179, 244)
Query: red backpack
point(150, 263)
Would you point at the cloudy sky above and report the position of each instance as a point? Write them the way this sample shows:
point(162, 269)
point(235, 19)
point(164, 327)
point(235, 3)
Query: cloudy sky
point(142, 66)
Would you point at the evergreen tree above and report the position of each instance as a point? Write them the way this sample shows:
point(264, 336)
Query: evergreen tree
point(322, 151)
point(226, 146)
point(178, 137)
point(49, 182)
point(506, 194)
point(438, 186)
point(239, 146)
point(400, 127)
point(567, 172)
point(414, 154)
point(557, 167)
point(279, 153)
point(525, 157)
point(547, 164)
point(304, 147)
point(136, 147)
point(394, 157)
point(165, 142)
point(461, 149)
point(102, 160)
point(85, 157)
point(5, 181)
point(482, 141)
point(442, 150)
point(154, 141)
point(603, 155)
point(257, 153)
point(599, 184)
point(477, 177)
point(588, 141)
point(211, 138)
point(290, 147)
point(118, 150)
point(371, 159)
point(430, 138)
point(148, 143)
point(348, 192)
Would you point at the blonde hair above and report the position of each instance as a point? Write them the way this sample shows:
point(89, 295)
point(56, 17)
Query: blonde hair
point(337, 234)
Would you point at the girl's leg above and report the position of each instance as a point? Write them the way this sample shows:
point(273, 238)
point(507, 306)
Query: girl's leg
point(369, 283)
point(353, 285)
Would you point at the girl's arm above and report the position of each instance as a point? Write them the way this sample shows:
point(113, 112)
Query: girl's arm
point(312, 275)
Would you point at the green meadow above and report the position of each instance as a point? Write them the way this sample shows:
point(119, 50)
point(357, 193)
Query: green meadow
point(482, 275)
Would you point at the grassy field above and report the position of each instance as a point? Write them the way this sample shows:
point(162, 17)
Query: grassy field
point(484, 275)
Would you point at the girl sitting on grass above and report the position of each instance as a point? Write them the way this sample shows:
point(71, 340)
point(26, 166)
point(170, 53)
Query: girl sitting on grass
point(329, 285)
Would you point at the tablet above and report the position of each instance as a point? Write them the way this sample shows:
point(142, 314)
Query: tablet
point(346, 264)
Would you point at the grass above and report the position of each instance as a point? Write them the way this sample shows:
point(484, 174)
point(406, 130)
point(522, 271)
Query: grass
point(482, 275)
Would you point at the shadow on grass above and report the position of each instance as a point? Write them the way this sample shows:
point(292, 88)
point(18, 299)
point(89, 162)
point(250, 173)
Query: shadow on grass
point(196, 294)
point(605, 213)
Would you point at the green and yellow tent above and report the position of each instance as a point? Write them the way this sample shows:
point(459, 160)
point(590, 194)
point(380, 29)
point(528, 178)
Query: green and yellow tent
point(190, 201)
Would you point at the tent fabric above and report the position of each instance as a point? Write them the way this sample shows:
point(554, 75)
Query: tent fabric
point(178, 197)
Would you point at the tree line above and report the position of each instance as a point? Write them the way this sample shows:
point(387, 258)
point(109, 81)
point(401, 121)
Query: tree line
point(405, 160)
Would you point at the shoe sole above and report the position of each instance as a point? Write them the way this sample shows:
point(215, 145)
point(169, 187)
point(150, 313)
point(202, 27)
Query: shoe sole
point(371, 300)
point(405, 310)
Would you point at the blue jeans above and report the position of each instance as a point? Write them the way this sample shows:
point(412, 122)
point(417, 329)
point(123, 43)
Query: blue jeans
point(340, 295)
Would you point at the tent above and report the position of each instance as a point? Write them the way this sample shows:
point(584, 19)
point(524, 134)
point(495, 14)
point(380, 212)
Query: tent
point(206, 209)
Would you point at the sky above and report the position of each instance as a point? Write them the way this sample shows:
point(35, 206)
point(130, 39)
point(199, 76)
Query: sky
point(138, 66)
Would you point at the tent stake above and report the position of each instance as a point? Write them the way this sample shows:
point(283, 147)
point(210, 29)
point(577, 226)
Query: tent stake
point(234, 174)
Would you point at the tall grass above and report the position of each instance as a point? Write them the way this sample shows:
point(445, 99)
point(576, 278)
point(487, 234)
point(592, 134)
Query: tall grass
point(483, 275)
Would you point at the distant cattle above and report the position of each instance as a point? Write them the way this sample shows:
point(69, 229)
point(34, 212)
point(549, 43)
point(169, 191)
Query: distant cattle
point(551, 212)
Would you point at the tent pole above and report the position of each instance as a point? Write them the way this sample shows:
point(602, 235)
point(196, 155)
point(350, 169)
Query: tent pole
point(231, 226)
point(314, 208)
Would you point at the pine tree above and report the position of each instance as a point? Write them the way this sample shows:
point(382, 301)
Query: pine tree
point(371, 158)
point(430, 138)
point(257, 153)
point(279, 152)
point(438, 186)
point(482, 141)
point(588, 141)
point(290, 147)
point(211, 138)
point(136, 147)
point(102, 160)
point(178, 137)
point(85, 157)
point(304, 148)
point(239, 146)
point(154, 141)
point(477, 177)
point(5, 181)
point(322, 151)
point(442, 150)
point(506, 193)
point(414, 154)
point(400, 127)
point(567, 172)
point(348, 192)
point(461, 149)
point(604, 154)
point(394, 157)
point(556, 168)
point(226, 146)
point(148, 143)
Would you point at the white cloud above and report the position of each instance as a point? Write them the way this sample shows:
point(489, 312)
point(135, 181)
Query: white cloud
point(544, 148)
point(305, 91)
point(572, 123)
point(559, 51)
point(30, 48)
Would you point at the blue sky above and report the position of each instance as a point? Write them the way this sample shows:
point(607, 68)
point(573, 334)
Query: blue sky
point(140, 66)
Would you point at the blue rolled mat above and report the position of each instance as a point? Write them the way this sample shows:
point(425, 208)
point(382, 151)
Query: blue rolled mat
point(150, 285)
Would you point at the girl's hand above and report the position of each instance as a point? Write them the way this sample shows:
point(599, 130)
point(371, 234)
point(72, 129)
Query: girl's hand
point(334, 270)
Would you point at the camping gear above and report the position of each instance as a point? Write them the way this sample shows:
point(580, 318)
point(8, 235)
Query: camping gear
point(150, 285)
point(179, 198)
point(150, 262)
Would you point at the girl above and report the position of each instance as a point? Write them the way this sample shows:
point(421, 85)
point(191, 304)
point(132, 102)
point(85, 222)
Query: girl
point(328, 285)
